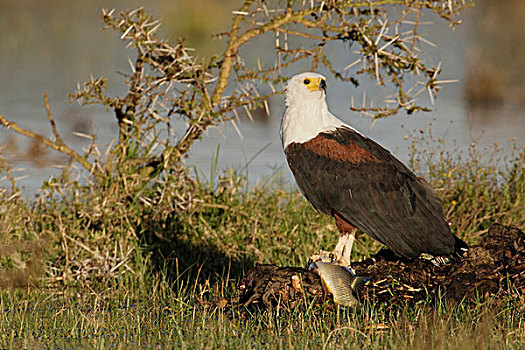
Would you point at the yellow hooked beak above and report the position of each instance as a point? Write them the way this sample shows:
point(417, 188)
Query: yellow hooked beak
point(315, 84)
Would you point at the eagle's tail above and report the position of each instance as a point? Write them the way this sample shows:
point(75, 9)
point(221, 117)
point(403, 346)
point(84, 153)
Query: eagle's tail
point(460, 247)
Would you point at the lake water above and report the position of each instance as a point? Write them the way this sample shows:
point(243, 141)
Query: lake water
point(46, 48)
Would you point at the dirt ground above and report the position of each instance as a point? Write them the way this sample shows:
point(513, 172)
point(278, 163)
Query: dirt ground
point(495, 267)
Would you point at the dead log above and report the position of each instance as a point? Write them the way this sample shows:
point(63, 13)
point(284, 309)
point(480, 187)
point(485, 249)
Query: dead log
point(495, 267)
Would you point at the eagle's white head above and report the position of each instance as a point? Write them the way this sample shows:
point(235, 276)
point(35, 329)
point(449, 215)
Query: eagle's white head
point(306, 87)
point(306, 113)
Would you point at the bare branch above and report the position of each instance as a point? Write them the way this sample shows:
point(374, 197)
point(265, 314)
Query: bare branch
point(62, 148)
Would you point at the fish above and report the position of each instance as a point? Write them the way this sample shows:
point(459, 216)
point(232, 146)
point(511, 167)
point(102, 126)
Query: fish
point(339, 281)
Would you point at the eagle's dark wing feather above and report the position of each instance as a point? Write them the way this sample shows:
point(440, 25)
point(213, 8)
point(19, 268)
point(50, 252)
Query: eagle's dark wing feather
point(344, 172)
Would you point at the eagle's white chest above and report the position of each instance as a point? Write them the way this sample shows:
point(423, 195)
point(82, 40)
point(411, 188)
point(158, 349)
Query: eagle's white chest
point(305, 120)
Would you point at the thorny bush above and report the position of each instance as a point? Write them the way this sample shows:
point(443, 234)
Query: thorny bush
point(141, 189)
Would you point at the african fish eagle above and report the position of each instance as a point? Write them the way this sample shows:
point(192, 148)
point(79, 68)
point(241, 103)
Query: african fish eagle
point(345, 174)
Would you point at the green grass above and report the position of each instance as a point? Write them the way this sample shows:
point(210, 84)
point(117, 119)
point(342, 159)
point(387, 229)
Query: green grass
point(94, 267)
point(139, 317)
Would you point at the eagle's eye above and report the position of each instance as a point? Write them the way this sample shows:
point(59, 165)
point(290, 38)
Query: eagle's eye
point(306, 81)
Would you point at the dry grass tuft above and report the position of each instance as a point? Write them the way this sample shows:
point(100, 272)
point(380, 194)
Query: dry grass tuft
point(479, 186)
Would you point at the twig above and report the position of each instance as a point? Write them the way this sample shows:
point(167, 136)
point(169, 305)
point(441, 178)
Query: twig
point(62, 148)
point(52, 121)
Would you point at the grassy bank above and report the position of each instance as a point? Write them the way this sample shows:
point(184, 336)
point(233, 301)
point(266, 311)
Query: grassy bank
point(90, 266)
point(139, 317)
